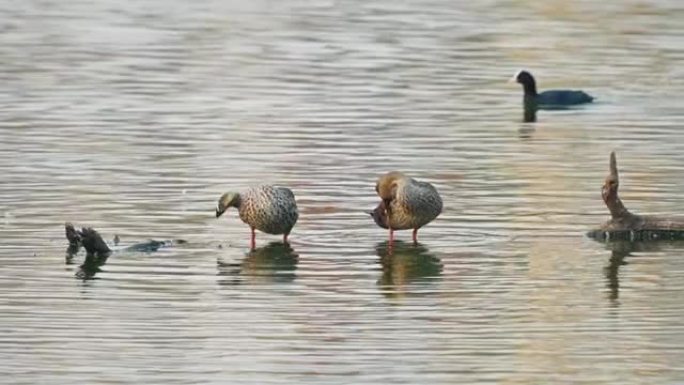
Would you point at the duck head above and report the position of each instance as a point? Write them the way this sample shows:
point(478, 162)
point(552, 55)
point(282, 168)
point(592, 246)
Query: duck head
point(227, 200)
point(386, 187)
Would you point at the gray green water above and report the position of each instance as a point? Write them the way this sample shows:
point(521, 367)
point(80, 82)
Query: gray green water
point(134, 116)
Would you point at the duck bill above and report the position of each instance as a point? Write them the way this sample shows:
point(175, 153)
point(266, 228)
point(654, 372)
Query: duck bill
point(219, 212)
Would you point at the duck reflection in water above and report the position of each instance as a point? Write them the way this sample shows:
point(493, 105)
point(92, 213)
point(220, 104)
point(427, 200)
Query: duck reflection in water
point(273, 263)
point(404, 263)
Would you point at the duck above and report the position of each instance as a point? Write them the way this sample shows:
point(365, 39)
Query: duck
point(269, 209)
point(406, 203)
point(625, 224)
point(550, 98)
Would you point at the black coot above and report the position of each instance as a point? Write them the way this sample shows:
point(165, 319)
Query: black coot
point(551, 98)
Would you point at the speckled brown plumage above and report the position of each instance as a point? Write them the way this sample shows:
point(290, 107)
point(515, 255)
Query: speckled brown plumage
point(272, 210)
point(408, 203)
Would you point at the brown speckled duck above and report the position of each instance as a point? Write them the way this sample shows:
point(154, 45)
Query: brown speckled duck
point(269, 209)
point(406, 203)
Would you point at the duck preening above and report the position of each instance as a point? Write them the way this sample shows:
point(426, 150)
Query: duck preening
point(548, 99)
point(624, 225)
point(379, 215)
point(406, 203)
point(269, 209)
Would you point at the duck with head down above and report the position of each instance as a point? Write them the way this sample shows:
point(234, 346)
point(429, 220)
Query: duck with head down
point(406, 203)
point(272, 210)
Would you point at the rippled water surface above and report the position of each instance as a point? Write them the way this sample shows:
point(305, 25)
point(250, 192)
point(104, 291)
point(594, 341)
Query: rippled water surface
point(134, 116)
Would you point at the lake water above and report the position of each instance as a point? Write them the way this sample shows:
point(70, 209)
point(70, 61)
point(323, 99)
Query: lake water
point(134, 116)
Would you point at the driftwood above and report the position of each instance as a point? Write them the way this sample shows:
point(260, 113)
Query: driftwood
point(87, 237)
point(624, 225)
point(97, 250)
point(74, 239)
point(96, 246)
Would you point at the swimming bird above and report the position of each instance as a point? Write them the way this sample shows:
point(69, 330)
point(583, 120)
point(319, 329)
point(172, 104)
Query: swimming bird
point(406, 203)
point(551, 98)
point(272, 210)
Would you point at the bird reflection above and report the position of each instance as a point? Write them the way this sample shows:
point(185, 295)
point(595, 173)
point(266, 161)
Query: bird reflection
point(530, 112)
point(526, 131)
point(403, 263)
point(74, 239)
point(273, 263)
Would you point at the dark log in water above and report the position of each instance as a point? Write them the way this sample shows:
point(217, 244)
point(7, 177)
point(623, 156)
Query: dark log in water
point(74, 240)
point(88, 238)
point(95, 245)
point(97, 250)
point(72, 235)
point(624, 225)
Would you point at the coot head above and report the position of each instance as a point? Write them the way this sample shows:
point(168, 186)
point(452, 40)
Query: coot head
point(525, 78)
